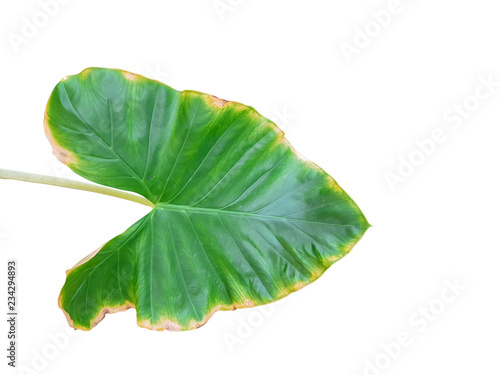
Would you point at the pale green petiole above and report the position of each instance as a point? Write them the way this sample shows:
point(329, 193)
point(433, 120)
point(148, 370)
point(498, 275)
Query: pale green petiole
point(71, 184)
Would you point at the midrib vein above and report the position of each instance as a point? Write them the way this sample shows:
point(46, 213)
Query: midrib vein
point(215, 211)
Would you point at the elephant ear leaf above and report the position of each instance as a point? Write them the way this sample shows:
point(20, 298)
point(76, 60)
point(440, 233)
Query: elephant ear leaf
point(240, 219)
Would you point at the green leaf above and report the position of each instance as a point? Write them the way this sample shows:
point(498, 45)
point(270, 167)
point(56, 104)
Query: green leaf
point(240, 219)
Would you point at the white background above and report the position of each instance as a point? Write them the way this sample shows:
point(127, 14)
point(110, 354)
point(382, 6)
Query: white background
point(355, 117)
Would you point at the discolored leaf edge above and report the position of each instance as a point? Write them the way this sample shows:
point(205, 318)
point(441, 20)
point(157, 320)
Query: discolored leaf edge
point(68, 158)
point(172, 326)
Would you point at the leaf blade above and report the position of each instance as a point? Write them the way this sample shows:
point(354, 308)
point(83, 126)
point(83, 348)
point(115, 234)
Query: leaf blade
point(240, 219)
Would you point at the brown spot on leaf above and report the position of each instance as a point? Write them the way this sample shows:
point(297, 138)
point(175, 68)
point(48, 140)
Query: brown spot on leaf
point(218, 102)
point(130, 76)
point(63, 155)
point(163, 325)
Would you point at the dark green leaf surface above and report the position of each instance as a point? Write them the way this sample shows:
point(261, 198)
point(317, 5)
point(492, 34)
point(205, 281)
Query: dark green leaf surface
point(240, 218)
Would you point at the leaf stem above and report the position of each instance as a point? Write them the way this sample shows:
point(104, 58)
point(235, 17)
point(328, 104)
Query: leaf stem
point(72, 184)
